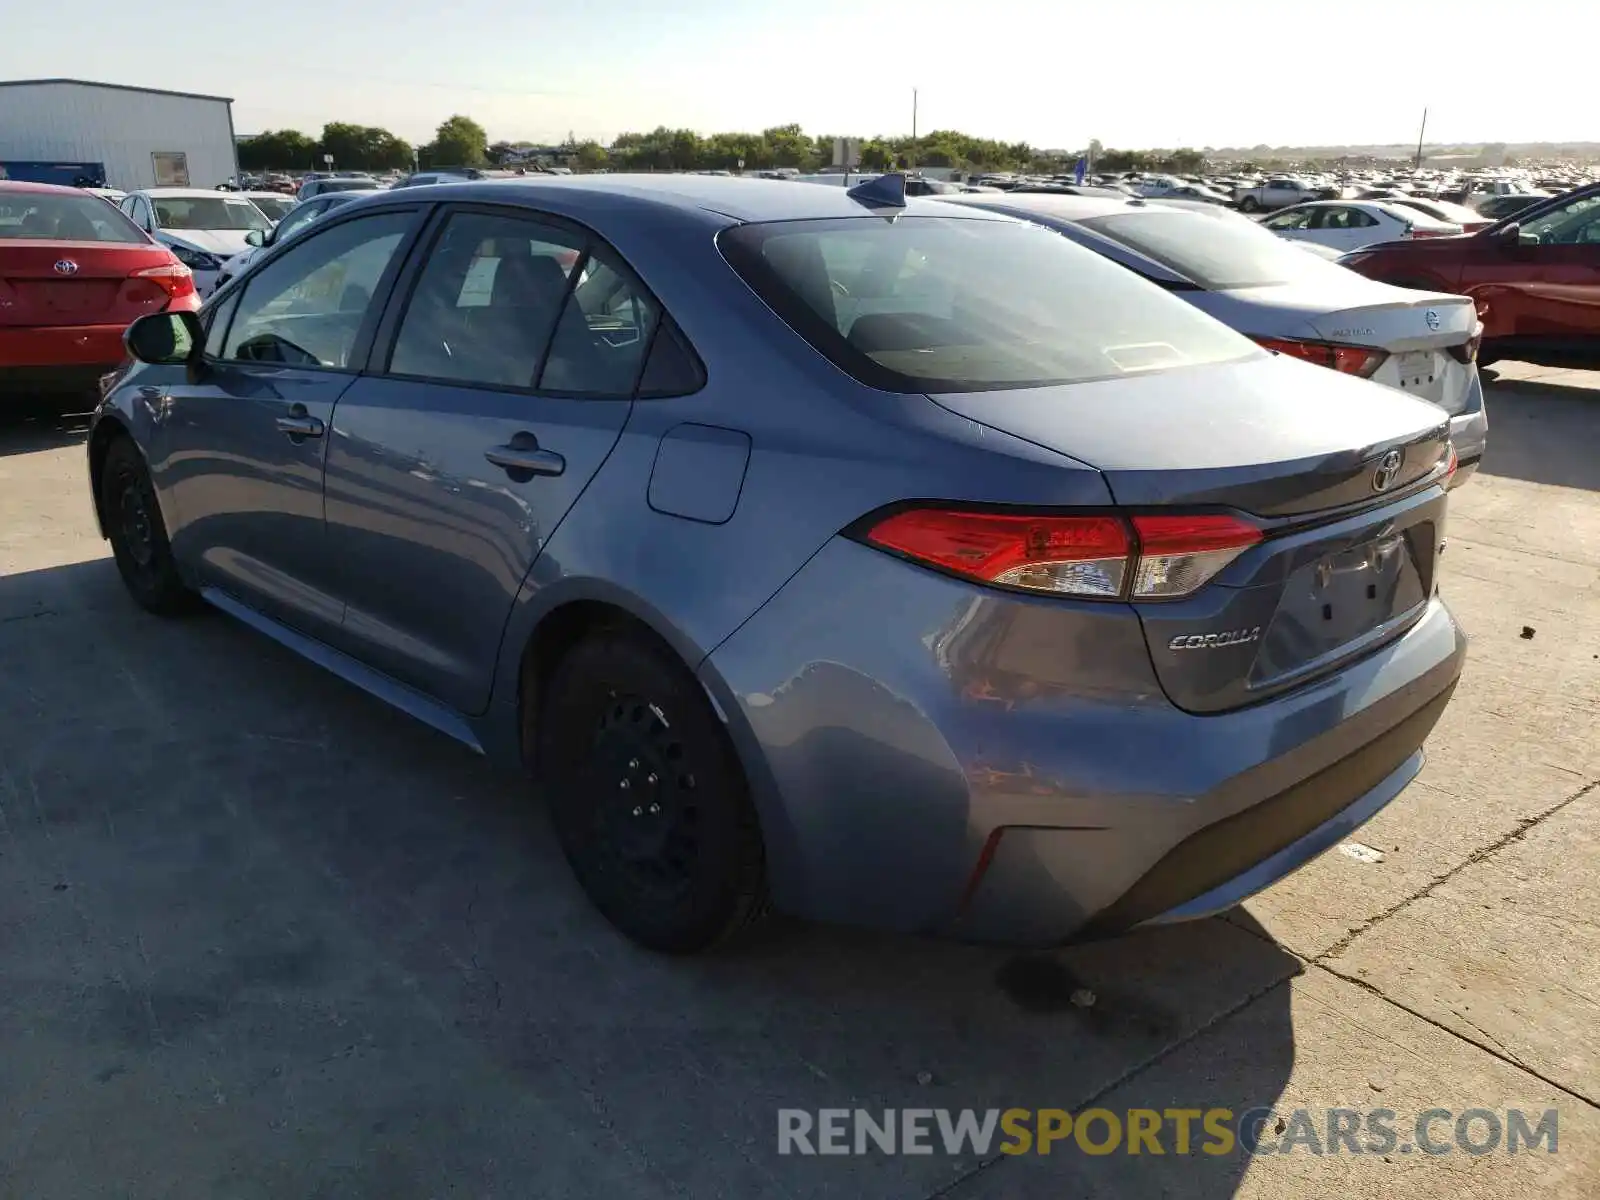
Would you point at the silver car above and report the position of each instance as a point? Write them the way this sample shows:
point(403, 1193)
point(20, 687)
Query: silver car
point(874, 559)
point(1422, 343)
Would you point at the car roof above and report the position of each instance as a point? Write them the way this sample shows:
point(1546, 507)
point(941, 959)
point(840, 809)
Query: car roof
point(737, 199)
point(179, 193)
point(22, 185)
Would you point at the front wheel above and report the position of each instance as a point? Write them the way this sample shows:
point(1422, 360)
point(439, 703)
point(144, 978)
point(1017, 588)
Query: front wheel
point(647, 797)
point(138, 535)
point(1249, 204)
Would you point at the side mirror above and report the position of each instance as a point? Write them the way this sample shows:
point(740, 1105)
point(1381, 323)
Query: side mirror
point(165, 338)
point(255, 237)
point(1511, 235)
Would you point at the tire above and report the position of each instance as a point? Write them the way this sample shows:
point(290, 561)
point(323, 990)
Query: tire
point(647, 797)
point(139, 536)
point(1249, 204)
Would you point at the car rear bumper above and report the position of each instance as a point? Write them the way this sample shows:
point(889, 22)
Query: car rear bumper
point(57, 359)
point(1469, 433)
point(97, 346)
point(996, 768)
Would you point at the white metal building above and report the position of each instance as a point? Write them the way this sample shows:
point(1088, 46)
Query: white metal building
point(145, 137)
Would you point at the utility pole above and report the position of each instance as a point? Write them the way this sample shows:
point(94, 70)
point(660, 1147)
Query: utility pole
point(1420, 134)
point(911, 154)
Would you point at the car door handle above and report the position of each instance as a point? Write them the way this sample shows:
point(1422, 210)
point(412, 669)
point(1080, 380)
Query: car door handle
point(522, 458)
point(300, 425)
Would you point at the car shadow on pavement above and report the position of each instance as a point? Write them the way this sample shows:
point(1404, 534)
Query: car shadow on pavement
point(1544, 432)
point(276, 934)
point(28, 426)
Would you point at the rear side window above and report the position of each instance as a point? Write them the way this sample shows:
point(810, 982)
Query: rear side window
point(604, 331)
point(507, 301)
point(52, 216)
point(939, 304)
point(486, 304)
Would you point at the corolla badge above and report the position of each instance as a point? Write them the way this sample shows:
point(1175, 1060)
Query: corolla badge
point(1388, 471)
point(1214, 641)
point(65, 266)
point(1432, 318)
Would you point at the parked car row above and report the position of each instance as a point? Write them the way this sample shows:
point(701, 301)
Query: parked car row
point(1031, 601)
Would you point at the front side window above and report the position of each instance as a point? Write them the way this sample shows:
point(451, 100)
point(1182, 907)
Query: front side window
point(209, 212)
point(298, 219)
point(1294, 218)
point(275, 207)
point(1576, 223)
point(306, 307)
point(942, 304)
point(216, 324)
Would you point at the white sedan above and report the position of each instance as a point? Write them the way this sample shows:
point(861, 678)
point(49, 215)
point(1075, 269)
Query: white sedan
point(1346, 225)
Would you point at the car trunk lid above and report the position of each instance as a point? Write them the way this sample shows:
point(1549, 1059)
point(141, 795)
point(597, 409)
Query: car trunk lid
point(1422, 334)
point(1337, 473)
point(49, 283)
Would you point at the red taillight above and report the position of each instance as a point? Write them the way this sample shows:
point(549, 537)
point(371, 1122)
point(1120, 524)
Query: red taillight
point(1450, 465)
point(1178, 554)
point(1347, 360)
point(1429, 233)
point(1099, 556)
point(1077, 556)
point(1467, 351)
point(173, 278)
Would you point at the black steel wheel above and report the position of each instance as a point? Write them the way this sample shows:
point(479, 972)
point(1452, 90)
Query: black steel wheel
point(647, 797)
point(138, 536)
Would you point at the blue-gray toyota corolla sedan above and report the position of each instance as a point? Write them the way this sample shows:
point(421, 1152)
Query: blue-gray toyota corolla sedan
point(877, 561)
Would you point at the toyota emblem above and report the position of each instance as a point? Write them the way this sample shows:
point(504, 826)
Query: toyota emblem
point(66, 267)
point(1388, 471)
point(1432, 318)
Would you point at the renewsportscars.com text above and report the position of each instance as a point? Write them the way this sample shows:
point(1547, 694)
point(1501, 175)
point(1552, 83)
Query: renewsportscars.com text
point(1213, 1131)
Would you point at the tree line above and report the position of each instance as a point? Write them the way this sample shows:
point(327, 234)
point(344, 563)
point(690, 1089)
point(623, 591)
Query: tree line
point(461, 142)
point(458, 142)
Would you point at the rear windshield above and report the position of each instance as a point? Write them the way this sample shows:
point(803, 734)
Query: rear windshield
point(939, 304)
point(208, 212)
point(1218, 253)
point(343, 185)
point(48, 216)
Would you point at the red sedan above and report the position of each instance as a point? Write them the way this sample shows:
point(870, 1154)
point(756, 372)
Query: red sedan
point(74, 273)
point(1535, 278)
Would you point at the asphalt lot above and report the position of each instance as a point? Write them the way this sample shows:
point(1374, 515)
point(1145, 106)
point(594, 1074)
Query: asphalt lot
point(262, 937)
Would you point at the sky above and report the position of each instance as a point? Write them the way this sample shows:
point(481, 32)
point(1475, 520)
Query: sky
point(1049, 72)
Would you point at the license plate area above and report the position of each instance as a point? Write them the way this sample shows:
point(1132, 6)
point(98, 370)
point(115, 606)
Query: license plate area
point(70, 298)
point(1419, 370)
point(1334, 602)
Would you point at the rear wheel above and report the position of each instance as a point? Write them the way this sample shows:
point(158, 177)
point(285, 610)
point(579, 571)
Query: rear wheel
point(137, 534)
point(647, 797)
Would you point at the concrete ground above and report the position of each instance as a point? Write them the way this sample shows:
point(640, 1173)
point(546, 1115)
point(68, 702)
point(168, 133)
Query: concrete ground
point(262, 937)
